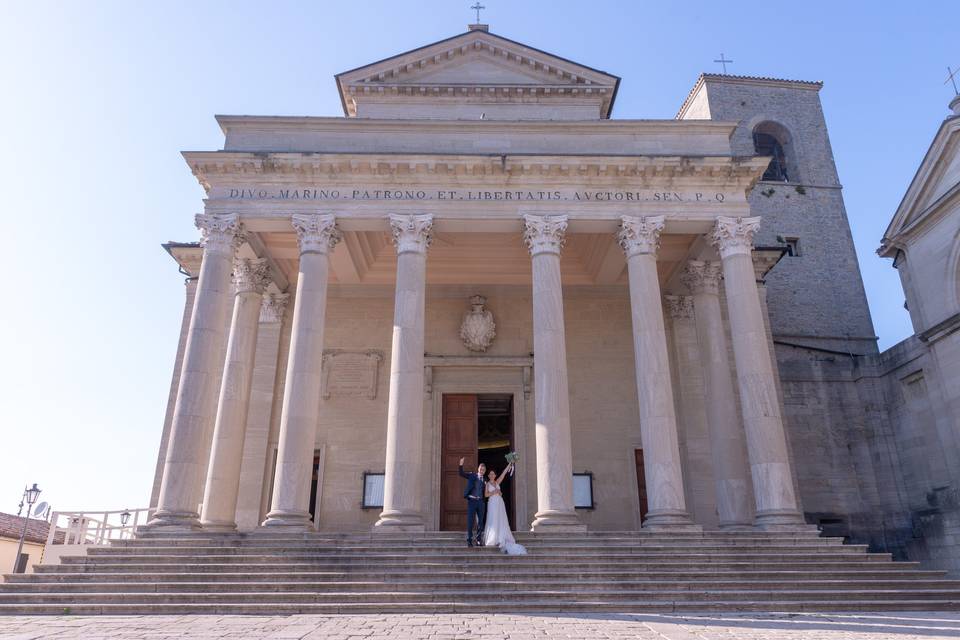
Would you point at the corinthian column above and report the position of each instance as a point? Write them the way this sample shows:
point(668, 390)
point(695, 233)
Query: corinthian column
point(766, 440)
point(727, 445)
point(189, 445)
point(544, 236)
point(251, 278)
point(317, 235)
point(402, 499)
point(640, 239)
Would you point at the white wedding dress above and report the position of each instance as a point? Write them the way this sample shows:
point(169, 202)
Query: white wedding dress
point(497, 532)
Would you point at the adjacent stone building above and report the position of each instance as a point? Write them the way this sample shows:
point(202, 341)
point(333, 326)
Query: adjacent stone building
point(664, 319)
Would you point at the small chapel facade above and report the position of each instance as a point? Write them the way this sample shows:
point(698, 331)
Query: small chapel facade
point(660, 317)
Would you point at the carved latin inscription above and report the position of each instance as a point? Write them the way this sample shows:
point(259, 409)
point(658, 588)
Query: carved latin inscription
point(351, 373)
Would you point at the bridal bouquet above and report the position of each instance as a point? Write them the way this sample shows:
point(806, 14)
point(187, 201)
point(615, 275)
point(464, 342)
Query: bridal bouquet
point(512, 458)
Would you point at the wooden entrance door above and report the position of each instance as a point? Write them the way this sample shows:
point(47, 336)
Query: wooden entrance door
point(641, 483)
point(458, 440)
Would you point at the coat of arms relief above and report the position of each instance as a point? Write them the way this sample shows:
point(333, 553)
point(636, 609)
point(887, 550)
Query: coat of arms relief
point(478, 328)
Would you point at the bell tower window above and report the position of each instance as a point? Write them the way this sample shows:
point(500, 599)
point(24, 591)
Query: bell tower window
point(772, 140)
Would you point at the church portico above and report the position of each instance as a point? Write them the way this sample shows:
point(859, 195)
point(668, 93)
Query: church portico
point(560, 241)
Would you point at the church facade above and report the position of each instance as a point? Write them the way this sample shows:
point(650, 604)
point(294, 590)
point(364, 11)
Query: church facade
point(663, 319)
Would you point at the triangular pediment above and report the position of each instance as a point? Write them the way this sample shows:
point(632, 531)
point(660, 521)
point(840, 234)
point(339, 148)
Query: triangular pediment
point(937, 180)
point(476, 61)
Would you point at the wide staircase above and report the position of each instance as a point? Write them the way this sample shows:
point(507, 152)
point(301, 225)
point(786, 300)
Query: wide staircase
point(282, 573)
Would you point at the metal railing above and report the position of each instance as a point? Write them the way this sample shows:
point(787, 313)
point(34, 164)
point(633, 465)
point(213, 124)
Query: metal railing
point(83, 528)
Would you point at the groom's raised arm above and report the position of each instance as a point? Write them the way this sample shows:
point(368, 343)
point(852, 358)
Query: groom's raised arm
point(463, 474)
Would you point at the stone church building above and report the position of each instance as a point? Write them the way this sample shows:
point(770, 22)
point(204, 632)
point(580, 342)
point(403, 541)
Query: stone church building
point(664, 319)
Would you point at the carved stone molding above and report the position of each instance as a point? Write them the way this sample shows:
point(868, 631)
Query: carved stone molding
point(273, 308)
point(411, 233)
point(478, 328)
point(702, 277)
point(734, 235)
point(220, 233)
point(681, 307)
point(640, 235)
point(316, 233)
point(351, 373)
point(544, 234)
point(251, 276)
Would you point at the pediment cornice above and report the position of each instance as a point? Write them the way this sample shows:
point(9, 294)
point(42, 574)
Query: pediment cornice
point(925, 197)
point(522, 71)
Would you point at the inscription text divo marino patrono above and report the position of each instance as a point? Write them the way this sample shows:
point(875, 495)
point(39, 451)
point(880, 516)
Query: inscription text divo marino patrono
point(467, 195)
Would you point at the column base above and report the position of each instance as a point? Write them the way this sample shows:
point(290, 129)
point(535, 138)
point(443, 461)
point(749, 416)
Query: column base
point(218, 527)
point(735, 526)
point(781, 520)
point(673, 520)
point(294, 520)
point(557, 521)
point(394, 521)
point(175, 520)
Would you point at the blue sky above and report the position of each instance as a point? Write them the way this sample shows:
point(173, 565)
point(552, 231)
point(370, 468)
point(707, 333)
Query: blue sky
point(99, 98)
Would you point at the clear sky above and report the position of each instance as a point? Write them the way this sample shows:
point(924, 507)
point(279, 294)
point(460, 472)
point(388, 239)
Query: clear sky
point(99, 98)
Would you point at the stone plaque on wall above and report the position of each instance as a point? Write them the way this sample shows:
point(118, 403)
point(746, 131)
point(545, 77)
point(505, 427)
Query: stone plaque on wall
point(351, 373)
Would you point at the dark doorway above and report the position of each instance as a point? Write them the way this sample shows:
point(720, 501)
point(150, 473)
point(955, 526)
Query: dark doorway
point(314, 477)
point(495, 440)
point(478, 428)
point(641, 483)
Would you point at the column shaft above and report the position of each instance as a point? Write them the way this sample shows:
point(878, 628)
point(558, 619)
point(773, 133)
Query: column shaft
point(544, 236)
point(640, 238)
point(192, 427)
point(727, 444)
point(402, 495)
point(766, 439)
point(251, 277)
point(317, 235)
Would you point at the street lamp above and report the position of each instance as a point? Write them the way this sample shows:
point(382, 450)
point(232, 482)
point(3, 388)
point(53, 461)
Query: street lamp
point(30, 495)
point(124, 517)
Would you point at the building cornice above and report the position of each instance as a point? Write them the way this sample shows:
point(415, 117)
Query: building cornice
point(208, 166)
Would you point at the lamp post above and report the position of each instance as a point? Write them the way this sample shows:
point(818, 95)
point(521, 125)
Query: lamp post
point(30, 495)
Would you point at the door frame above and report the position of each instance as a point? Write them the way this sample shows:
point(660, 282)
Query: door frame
point(455, 374)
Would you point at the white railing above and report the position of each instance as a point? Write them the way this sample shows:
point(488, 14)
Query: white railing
point(94, 528)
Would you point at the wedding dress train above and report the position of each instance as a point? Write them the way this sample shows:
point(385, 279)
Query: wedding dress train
point(497, 532)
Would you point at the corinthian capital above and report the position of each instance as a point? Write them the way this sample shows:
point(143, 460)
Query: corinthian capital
point(681, 307)
point(316, 233)
point(411, 233)
point(702, 277)
point(544, 234)
point(251, 276)
point(273, 307)
point(220, 233)
point(639, 235)
point(734, 235)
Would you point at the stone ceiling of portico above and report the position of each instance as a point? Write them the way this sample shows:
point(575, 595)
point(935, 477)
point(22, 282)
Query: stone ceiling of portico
point(368, 257)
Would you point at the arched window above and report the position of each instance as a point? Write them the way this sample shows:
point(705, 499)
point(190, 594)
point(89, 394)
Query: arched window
point(769, 139)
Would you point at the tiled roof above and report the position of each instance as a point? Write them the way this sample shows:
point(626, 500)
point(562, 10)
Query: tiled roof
point(813, 84)
point(11, 526)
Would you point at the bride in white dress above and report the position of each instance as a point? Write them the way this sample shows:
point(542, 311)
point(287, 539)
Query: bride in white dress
point(497, 532)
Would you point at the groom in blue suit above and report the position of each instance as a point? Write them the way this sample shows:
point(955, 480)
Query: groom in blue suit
point(476, 506)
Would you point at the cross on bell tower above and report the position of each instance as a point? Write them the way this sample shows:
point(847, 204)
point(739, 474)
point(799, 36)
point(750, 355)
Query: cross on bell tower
point(724, 62)
point(952, 77)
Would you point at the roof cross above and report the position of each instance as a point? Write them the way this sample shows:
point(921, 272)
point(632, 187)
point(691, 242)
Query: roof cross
point(478, 7)
point(724, 62)
point(952, 77)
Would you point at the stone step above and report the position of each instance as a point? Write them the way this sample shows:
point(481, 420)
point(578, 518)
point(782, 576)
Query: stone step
point(143, 533)
point(460, 549)
point(479, 606)
point(429, 574)
point(745, 539)
point(495, 563)
point(511, 585)
point(493, 556)
point(465, 595)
